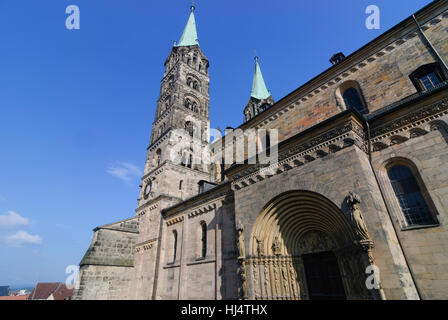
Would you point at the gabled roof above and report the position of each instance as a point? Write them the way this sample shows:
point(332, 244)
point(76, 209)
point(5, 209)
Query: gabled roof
point(43, 290)
point(189, 36)
point(259, 90)
point(62, 293)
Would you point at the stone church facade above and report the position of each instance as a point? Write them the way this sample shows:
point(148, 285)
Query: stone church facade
point(357, 195)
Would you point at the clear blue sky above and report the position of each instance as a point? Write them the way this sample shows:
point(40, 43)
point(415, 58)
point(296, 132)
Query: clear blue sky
point(76, 107)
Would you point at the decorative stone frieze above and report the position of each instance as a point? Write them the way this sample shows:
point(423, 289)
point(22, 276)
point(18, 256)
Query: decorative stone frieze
point(175, 221)
point(409, 126)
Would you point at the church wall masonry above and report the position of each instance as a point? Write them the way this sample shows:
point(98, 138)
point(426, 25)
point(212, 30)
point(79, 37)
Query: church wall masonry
point(107, 268)
point(424, 147)
point(188, 274)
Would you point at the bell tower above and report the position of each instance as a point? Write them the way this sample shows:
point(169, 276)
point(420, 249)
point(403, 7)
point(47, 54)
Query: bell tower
point(174, 168)
point(173, 165)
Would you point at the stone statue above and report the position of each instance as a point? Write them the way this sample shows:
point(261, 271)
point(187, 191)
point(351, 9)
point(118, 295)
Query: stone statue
point(276, 247)
point(285, 278)
point(353, 201)
point(242, 274)
point(260, 247)
point(294, 286)
point(277, 281)
point(256, 285)
point(240, 240)
point(267, 279)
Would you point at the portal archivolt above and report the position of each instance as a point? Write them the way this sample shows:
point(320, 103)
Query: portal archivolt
point(300, 226)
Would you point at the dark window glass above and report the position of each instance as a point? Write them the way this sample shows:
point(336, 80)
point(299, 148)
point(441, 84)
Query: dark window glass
point(410, 197)
point(190, 161)
point(427, 77)
point(204, 240)
point(429, 80)
point(323, 276)
point(189, 127)
point(268, 141)
point(174, 245)
point(352, 100)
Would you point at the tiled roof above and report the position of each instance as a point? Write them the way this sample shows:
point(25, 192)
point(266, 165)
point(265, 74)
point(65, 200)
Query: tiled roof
point(63, 293)
point(22, 297)
point(43, 290)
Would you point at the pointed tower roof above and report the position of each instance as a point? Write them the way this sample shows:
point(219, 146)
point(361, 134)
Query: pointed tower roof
point(190, 36)
point(259, 90)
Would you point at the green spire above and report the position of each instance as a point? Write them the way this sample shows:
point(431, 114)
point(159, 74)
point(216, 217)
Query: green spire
point(259, 90)
point(190, 36)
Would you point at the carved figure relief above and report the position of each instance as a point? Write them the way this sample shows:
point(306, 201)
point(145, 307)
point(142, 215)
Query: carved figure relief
point(315, 241)
point(260, 246)
point(266, 278)
point(256, 285)
point(242, 275)
point(285, 279)
point(294, 286)
point(277, 281)
point(276, 247)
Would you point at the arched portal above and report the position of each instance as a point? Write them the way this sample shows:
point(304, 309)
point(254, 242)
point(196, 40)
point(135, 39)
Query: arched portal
point(304, 247)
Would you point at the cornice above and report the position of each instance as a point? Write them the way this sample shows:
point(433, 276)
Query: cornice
point(413, 124)
point(201, 202)
point(298, 153)
point(152, 202)
point(144, 246)
point(175, 221)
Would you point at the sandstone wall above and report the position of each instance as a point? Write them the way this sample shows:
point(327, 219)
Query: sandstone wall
point(107, 269)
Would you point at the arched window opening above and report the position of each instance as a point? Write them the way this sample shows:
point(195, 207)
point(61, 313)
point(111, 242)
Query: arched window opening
point(189, 127)
point(353, 100)
point(174, 245)
point(187, 158)
point(190, 160)
point(203, 240)
point(180, 184)
point(412, 202)
point(248, 114)
point(264, 142)
point(158, 156)
point(268, 140)
point(187, 103)
point(171, 82)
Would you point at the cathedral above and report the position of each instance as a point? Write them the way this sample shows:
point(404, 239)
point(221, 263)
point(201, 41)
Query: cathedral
point(339, 190)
